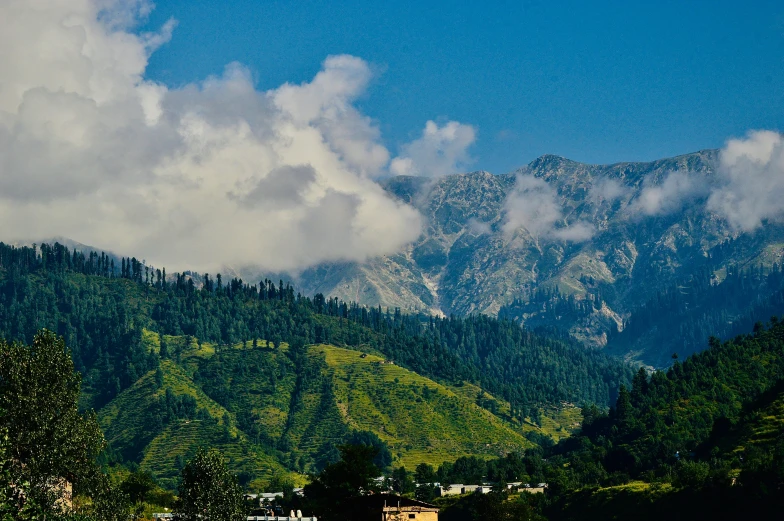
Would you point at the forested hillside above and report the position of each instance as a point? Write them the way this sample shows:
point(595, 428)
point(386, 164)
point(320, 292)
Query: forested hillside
point(233, 360)
point(704, 437)
point(702, 440)
point(680, 319)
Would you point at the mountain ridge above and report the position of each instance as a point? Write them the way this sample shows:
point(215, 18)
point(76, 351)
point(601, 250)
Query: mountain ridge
point(468, 260)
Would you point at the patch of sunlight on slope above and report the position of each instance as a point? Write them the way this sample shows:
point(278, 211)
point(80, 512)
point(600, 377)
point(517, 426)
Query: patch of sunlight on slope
point(420, 420)
point(133, 433)
point(189, 352)
point(183, 438)
point(557, 422)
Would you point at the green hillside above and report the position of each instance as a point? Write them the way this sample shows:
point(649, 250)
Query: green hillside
point(164, 418)
point(273, 417)
point(172, 362)
point(120, 420)
point(765, 426)
point(420, 420)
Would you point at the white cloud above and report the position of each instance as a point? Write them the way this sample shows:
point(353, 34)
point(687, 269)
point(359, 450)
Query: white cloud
point(440, 151)
point(675, 191)
point(210, 173)
point(751, 181)
point(478, 227)
point(608, 190)
point(532, 205)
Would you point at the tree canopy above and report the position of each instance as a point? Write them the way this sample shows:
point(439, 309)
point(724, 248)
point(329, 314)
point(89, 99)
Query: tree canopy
point(49, 441)
point(209, 492)
point(355, 474)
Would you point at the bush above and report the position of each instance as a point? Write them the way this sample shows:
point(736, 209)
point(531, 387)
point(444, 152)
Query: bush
point(692, 474)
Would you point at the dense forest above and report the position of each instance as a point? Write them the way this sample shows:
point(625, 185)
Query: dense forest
point(708, 429)
point(195, 358)
point(550, 307)
point(681, 319)
point(702, 440)
point(101, 308)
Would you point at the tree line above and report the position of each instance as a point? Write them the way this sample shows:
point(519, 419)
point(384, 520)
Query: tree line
point(101, 307)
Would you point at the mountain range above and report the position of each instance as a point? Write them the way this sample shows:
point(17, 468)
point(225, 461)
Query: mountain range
point(622, 253)
point(618, 242)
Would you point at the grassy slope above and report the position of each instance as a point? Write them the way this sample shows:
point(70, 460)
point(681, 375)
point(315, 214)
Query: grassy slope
point(419, 426)
point(131, 431)
point(766, 424)
point(345, 392)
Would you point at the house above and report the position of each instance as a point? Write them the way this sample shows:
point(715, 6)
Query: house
point(534, 488)
point(450, 490)
point(389, 507)
point(266, 497)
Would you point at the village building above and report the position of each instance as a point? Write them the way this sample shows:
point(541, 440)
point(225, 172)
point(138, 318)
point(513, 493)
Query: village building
point(389, 507)
point(534, 488)
point(266, 497)
point(169, 515)
point(456, 489)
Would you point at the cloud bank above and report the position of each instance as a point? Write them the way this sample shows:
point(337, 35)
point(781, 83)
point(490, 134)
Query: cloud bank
point(750, 187)
point(606, 189)
point(671, 195)
point(532, 205)
point(440, 151)
point(210, 173)
point(746, 190)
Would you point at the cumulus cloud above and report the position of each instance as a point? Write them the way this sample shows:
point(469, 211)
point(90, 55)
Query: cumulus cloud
point(532, 205)
point(440, 151)
point(608, 190)
point(675, 191)
point(751, 181)
point(478, 227)
point(195, 176)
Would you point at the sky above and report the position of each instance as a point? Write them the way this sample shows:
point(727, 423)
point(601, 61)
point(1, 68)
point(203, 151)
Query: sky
point(196, 135)
point(598, 82)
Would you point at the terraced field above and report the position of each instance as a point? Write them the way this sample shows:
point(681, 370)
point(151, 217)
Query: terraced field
point(420, 420)
point(272, 417)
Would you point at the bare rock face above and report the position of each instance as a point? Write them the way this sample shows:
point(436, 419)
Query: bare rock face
point(467, 261)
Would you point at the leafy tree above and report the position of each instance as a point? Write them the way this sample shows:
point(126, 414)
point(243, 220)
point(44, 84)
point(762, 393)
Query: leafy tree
point(425, 492)
point(49, 440)
point(402, 481)
point(354, 475)
point(383, 457)
point(109, 502)
point(692, 474)
point(493, 505)
point(208, 491)
point(138, 485)
point(425, 473)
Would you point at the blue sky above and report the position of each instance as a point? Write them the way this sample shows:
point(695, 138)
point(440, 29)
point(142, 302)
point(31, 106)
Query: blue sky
point(592, 81)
